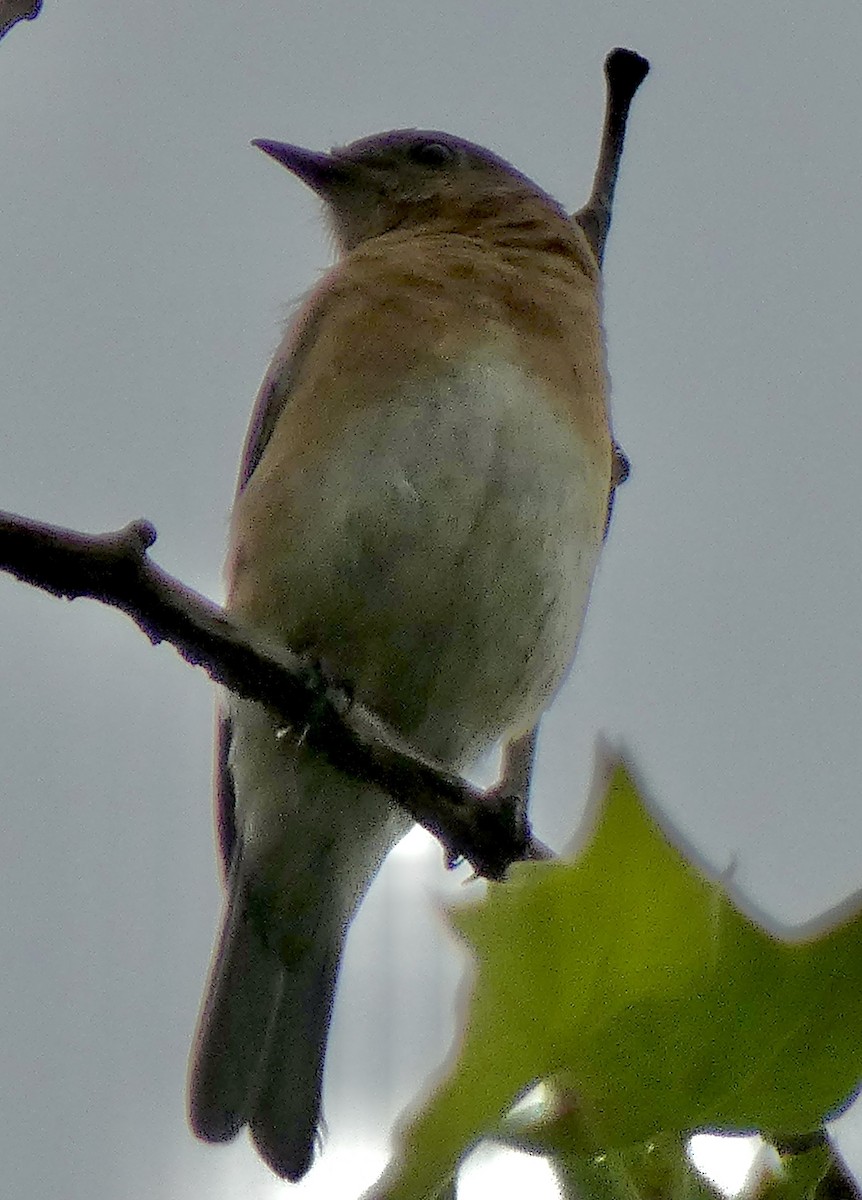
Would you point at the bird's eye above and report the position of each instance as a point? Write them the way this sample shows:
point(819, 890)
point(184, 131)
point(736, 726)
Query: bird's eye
point(432, 154)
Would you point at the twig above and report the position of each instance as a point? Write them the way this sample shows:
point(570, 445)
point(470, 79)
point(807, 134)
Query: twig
point(486, 829)
point(625, 71)
point(13, 11)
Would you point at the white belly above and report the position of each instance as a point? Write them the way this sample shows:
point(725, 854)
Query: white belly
point(441, 555)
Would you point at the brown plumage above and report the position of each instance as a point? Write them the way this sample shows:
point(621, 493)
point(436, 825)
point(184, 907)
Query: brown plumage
point(421, 508)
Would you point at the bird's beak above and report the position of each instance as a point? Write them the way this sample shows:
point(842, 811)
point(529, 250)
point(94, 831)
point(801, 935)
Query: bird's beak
point(321, 172)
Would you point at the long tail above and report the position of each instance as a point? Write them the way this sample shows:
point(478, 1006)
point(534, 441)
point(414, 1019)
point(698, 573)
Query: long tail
point(258, 1056)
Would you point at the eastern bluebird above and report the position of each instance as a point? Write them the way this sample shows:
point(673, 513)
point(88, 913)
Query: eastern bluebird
point(421, 506)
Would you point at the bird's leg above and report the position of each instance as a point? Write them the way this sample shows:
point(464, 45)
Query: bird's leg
point(329, 693)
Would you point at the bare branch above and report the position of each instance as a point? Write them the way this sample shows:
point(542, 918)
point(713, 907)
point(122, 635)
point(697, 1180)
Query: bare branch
point(486, 829)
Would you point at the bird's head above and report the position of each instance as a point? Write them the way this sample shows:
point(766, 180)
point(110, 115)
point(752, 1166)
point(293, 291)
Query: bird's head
point(410, 178)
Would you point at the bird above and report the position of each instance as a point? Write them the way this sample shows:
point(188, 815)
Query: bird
point(422, 500)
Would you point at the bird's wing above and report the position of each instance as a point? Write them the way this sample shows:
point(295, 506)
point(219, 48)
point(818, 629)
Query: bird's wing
point(279, 382)
point(275, 392)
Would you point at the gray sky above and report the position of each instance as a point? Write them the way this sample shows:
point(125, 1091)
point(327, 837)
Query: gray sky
point(149, 256)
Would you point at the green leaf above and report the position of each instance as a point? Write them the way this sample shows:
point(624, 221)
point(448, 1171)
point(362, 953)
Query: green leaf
point(633, 981)
point(798, 1176)
point(659, 1170)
